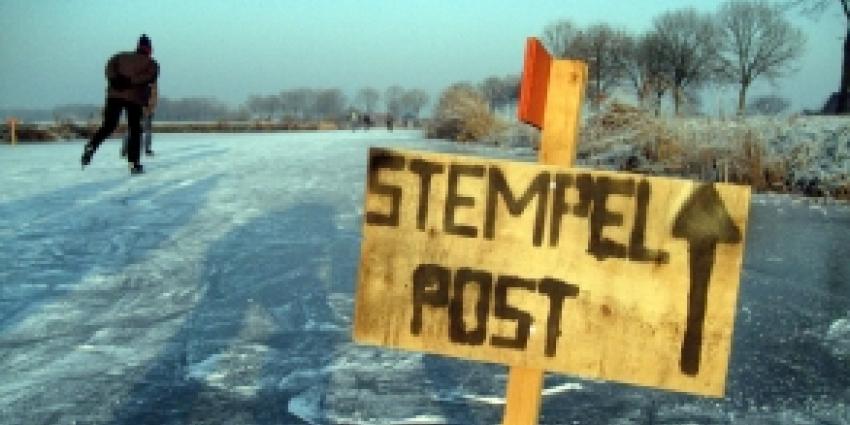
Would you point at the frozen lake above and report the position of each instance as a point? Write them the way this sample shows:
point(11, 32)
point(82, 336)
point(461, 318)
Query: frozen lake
point(218, 288)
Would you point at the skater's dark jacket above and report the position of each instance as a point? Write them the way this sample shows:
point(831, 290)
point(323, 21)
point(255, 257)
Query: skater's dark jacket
point(129, 75)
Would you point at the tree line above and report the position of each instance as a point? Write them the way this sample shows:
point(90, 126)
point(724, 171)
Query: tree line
point(185, 109)
point(332, 104)
point(743, 41)
point(300, 104)
point(682, 51)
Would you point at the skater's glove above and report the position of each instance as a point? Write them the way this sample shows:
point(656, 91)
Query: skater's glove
point(120, 82)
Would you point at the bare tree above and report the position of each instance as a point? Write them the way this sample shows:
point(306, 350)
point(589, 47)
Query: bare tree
point(818, 6)
point(755, 41)
point(500, 91)
point(688, 42)
point(239, 114)
point(491, 88)
point(273, 103)
point(367, 98)
point(258, 104)
point(644, 69)
point(392, 99)
point(292, 104)
point(512, 83)
point(604, 49)
point(330, 104)
point(412, 102)
point(559, 37)
point(299, 103)
point(264, 105)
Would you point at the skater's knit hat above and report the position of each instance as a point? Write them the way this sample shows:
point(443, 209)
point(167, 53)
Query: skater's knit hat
point(145, 43)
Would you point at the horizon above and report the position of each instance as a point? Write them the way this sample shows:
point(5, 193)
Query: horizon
point(230, 52)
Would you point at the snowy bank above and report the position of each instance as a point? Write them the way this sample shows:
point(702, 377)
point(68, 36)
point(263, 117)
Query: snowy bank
point(804, 154)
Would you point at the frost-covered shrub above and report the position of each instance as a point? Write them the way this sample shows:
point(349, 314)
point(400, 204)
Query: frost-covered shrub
point(461, 114)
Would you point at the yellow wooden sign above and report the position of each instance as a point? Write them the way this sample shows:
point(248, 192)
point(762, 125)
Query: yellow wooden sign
point(598, 274)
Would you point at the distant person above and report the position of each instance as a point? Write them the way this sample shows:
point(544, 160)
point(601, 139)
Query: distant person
point(390, 122)
point(147, 123)
point(129, 76)
point(353, 120)
point(367, 122)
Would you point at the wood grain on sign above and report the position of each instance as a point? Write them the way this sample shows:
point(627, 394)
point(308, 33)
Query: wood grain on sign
point(599, 274)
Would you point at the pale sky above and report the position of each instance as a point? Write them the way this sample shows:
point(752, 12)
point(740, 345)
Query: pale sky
point(53, 51)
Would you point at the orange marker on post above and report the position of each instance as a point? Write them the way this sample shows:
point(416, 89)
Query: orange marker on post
point(551, 94)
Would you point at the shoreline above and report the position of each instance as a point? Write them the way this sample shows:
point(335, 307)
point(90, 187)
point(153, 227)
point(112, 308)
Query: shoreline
point(46, 132)
point(611, 157)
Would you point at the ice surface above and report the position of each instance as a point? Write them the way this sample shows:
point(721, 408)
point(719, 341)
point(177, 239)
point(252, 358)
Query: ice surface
point(218, 288)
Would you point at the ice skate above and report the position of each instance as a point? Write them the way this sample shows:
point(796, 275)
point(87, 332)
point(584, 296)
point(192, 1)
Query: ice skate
point(88, 152)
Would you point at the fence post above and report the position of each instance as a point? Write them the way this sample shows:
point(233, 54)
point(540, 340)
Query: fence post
point(12, 123)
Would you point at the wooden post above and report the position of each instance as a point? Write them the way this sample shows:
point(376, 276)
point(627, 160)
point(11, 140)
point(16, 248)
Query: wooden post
point(559, 134)
point(13, 132)
point(557, 86)
point(522, 399)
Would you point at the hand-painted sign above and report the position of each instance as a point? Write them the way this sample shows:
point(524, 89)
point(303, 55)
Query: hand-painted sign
point(599, 274)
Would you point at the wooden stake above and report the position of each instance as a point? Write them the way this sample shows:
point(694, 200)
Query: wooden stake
point(522, 402)
point(13, 131)
point(559, 136)
point(562, 97)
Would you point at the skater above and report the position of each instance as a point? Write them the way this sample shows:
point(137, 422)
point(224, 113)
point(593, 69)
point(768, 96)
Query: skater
point(389, 122)
point(367, 122)
point(129, 76)
point(147, 123)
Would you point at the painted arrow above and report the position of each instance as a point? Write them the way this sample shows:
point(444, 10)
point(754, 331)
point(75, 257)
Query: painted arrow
point(704, 222)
